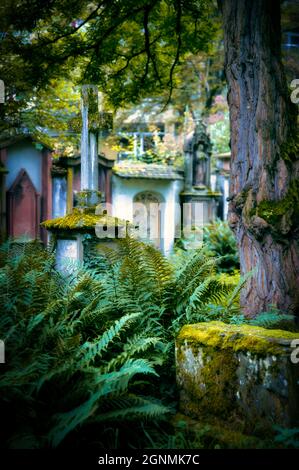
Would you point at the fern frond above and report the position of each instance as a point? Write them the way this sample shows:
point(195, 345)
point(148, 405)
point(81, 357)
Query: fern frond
point(90, 350)
point(132, 408)
point(115, 382)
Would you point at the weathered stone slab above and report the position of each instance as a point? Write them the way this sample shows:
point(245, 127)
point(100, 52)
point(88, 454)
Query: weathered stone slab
point(240, 374)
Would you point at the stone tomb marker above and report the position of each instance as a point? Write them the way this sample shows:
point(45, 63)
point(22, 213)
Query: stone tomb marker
point(240, 375)
point(75, 233)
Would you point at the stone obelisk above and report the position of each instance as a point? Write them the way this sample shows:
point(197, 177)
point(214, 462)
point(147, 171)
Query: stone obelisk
point(89, 146)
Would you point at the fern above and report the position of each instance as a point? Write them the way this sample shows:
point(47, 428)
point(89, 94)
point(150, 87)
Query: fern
point(272, 319)
point(219, 241)
point(91, 350)
point(168, 292)
point(131, 407)
point(115, 382)
point(97, 345)
point(288, 437)
point(73, 343)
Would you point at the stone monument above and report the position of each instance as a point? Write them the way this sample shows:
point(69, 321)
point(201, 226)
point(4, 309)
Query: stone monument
point(199, 202)
point(76, 233)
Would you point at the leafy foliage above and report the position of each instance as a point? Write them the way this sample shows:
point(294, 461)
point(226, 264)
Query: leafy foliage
point(175, 291)
point(288, 437)
point(98, 346)
point(155, 48)
point(274, 318)
point(130, 49)
point(52, 115)
point(70, 360)
point(220, 131)
point(219, 241)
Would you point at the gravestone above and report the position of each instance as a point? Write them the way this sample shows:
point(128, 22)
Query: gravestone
point(245, 376)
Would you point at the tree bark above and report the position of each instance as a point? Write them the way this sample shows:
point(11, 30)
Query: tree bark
point(264, 185)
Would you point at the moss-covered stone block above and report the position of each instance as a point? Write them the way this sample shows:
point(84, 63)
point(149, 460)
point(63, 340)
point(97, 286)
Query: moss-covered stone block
point(84, 220)
point(76, 236)
point(240, 374)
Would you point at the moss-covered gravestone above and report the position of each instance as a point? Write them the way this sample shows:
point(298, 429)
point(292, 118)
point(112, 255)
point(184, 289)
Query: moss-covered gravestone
point(245, 376)
point(77, 235)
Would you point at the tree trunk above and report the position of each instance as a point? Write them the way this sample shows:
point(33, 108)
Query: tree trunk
point(264, 186)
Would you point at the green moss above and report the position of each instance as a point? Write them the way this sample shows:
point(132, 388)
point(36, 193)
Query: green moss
point(219, 376)
point(82, 220)
point(212, 389)
point(290, 149)
point(88, 199)
point(256, 340)
point(215, 432)
point(247, 204)
point(275, 212)
point(240, 199)
point(232, 373)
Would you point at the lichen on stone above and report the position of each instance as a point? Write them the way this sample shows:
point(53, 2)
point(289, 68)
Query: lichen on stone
point(241, 374)
point(81, 219)
point(255, 339)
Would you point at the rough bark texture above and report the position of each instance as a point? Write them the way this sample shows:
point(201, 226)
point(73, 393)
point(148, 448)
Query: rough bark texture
point(264, 202)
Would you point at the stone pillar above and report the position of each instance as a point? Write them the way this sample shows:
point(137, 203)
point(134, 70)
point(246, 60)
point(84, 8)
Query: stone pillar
point(209, 171)
point(69, 198)
point(135, 145)
point(89, 142)
point(94, 162)
point(108, 186)
point(85, 163)
point(46, 200)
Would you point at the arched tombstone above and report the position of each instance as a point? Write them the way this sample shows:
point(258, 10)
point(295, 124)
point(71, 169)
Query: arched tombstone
point(23, 207)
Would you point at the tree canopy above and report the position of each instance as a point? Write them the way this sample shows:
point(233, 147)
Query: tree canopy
point(129, 49)
point(126, 47)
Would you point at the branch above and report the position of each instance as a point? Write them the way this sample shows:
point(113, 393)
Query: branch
point(146, 41)
point(128, 61)
point(147, 44)
point(94, 46)
point(177, 56)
